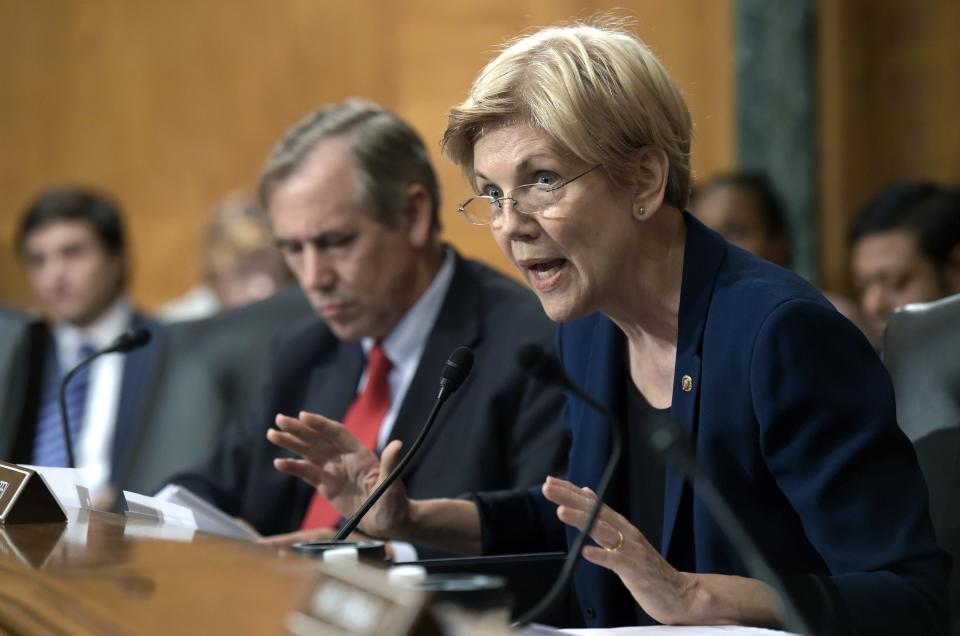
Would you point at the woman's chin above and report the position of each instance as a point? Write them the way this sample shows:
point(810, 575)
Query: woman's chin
point(562, 309)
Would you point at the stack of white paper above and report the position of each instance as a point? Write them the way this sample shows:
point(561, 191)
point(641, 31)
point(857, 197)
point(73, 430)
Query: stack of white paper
point(175, 505)
point(145, 527)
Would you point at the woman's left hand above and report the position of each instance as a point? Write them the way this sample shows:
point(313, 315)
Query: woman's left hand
point(665, 594)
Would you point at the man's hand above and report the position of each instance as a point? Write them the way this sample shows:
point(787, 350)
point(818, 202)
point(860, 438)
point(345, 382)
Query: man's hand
point(342, 469)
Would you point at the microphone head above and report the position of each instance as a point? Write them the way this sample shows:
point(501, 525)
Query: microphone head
point(541, 365)
point(456, 369)
point(130, 340)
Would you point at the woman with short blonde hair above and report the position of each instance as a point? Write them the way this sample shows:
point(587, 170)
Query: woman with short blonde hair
point(577, 144)
point(599, 93)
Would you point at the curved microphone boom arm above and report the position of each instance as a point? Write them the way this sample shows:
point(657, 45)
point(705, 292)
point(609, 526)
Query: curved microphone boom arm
point(127, 341)
point(545, 368)
point(455, 371)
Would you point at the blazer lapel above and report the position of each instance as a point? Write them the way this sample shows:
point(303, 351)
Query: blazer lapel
point(332, 386)
point(602, 380)
point(696, 292)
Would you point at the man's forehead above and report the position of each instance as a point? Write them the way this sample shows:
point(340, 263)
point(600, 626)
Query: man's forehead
point(885, 260)
point(60, 232)
point(891, 245)
point(304, 222)
point(321, 190)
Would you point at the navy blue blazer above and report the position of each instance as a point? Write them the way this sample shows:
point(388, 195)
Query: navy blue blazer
point(793, 416)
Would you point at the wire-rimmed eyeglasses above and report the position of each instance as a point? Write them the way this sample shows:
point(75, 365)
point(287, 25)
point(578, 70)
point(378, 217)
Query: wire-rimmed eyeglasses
point(532, 198)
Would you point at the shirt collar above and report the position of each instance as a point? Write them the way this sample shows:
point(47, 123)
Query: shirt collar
point(407, 339)
point(69, 338)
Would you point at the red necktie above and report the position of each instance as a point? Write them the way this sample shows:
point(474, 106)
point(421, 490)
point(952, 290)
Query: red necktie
point(363, 419)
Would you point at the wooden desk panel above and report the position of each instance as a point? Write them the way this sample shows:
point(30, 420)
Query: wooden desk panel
point(100, 575)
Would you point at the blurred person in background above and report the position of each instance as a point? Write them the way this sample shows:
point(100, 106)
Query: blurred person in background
point(240, 262)
point(905, 248)
point(747, 212)
point(71, 244)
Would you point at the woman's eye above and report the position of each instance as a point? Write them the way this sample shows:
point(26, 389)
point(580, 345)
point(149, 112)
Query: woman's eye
point(547, 179)
point(493, 192)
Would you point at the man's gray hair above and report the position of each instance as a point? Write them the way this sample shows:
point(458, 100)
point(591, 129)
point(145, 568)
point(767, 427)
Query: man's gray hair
point(388, 153)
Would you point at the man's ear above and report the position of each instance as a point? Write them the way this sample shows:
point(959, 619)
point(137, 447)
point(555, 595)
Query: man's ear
point(416, 215)
point(651, 170)
point(951, 271)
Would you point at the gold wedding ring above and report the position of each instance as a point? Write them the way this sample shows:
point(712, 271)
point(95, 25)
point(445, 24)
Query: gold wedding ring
point(619, 545)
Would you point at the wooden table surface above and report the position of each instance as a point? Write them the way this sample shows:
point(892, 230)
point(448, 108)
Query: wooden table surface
point(107, 574)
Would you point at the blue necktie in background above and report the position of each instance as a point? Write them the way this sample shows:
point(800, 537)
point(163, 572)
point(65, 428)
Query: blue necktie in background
point(48, 449)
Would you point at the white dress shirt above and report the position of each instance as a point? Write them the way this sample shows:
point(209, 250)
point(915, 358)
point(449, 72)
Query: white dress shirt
point(95, 442)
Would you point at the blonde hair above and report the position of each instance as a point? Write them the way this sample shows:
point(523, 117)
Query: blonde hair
point(595, 89)
point(239, 233)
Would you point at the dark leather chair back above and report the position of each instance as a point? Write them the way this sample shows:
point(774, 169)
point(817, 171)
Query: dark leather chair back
point(922, 354)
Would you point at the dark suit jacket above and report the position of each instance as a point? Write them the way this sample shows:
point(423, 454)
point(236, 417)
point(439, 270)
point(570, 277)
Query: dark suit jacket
point(499, 430)
point(194, 385)
point(138, 374)
point(793, 417)
point(15, 330)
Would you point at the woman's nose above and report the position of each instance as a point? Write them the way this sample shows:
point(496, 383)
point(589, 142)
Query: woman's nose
point(515, 224)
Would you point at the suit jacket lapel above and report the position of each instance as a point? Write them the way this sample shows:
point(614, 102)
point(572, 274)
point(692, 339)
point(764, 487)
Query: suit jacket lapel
point(138, 370)
point(332, 386)
point(603, 380)
point(458, 324)
point(696, 293)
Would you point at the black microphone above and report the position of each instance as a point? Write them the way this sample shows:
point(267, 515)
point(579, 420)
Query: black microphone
point(125, 342)
point(668, 439)
point(128, 341)
point(544, 367)
point(455, 371)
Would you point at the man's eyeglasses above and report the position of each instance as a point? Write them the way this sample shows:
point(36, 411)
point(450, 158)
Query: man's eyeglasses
point(532, 198)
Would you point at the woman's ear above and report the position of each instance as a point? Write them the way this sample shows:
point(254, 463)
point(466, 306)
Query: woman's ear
point(416, 215)
point(652, 167)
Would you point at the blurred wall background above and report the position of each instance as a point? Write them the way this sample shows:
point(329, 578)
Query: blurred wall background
point(171, 105)
point(888, 82)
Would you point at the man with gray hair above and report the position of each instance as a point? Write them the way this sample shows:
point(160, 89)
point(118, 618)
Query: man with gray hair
point(353, 201)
